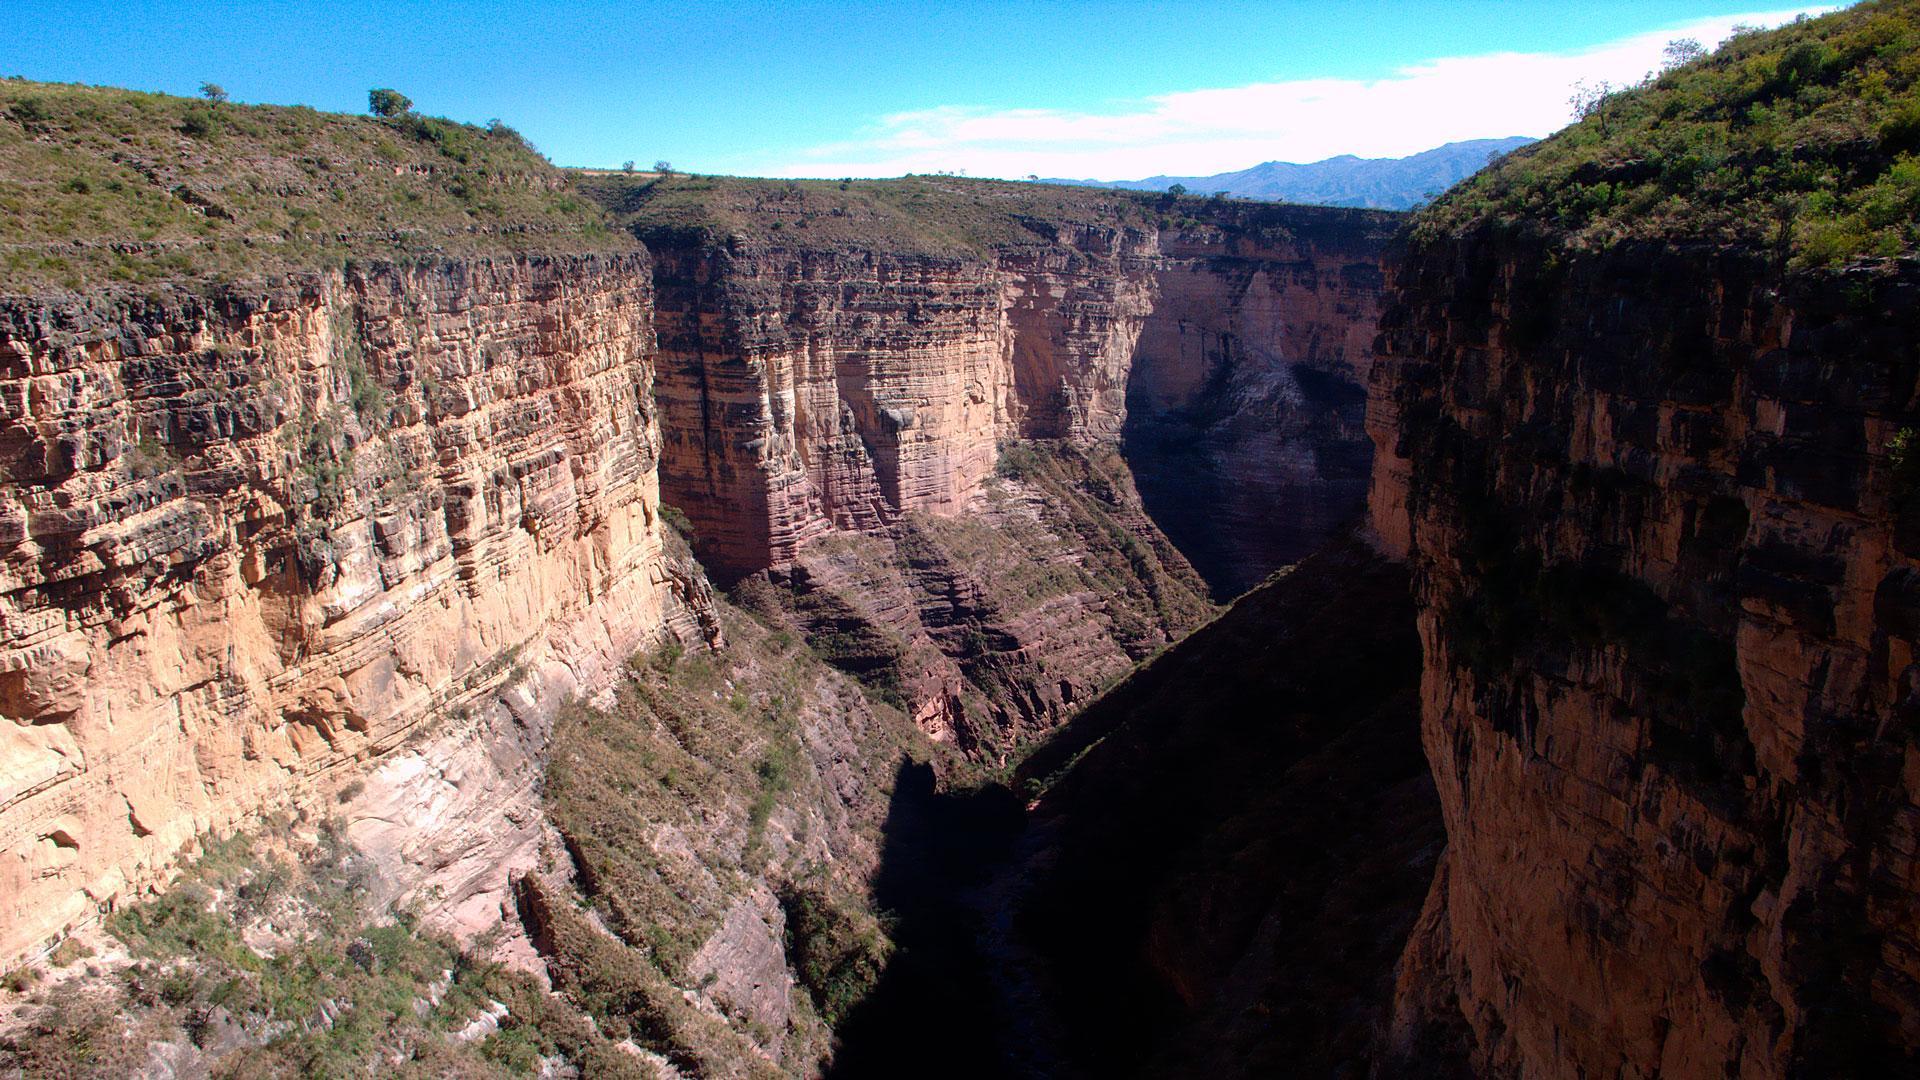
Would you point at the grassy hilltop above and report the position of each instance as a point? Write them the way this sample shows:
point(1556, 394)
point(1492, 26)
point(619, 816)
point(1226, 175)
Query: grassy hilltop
point(1804, 139)
point(941, 215)
point(101, 185)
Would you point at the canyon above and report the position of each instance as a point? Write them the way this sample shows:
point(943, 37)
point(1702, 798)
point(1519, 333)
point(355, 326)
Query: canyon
point(695, 626)
point(812, 391)
point(383, 548)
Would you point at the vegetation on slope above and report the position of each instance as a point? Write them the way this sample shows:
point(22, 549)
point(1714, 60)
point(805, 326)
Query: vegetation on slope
point(753, 774)
point(1084, 531)
point(269, 959)
point(1803, 140)
point(101, 185)
point(940, 215)
point(1058, 545)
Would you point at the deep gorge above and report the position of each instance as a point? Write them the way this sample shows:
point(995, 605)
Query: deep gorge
point(679, 626)
point(385, 522)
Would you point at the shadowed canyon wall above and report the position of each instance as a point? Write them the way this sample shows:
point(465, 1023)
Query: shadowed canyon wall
point(1666, 567)
point(1247, 396)
point(256, 537)
point(1228, 869)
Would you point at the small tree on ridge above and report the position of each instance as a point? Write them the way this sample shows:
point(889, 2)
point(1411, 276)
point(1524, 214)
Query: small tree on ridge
point(1681, 51)
point(386, 103)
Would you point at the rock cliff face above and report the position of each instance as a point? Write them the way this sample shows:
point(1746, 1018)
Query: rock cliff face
point(1662, 522)
point(807, 390)
point(254, 537)
point(1246, 397)
point(813, 396)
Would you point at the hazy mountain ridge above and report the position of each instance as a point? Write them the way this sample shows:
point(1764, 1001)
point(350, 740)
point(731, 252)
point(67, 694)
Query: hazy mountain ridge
point(1378, 183)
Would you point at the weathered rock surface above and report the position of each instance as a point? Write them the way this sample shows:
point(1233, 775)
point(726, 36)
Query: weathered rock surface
point(1665, 556)
point(1246, 398)
point(255, 540)
point(997, 624)
point(828, 410)
point(806, 390)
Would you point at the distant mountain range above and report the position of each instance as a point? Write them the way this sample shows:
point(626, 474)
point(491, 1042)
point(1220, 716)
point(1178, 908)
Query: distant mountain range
point(1380, 183)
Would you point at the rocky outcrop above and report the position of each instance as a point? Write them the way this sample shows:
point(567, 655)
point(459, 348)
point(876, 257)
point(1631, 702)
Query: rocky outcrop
point(1246, 399)
point(255, 540)
point(808, 390)
point(1661, 512)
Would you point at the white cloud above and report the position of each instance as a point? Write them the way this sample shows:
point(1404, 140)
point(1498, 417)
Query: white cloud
point(1198, 132)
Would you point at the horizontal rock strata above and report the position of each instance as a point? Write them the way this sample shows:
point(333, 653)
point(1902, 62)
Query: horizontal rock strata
point(809, 390)
point(255, 537)
point(1661, 517)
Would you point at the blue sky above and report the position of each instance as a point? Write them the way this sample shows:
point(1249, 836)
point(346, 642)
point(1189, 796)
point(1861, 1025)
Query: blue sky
point(1103, 89)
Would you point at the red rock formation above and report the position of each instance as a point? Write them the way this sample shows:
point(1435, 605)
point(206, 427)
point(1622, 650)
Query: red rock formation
point(807, 390)
point(1666, 561)
point(1246, 397)
point(254, 539)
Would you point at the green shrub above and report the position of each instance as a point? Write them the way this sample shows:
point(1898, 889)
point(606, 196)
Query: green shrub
point(1798, 141)
point(200, 122)
point(836, 951)
point(69, 952)
point(384, 102)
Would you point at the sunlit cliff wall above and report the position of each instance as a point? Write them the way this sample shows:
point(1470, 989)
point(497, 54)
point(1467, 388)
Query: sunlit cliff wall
point(256, 537)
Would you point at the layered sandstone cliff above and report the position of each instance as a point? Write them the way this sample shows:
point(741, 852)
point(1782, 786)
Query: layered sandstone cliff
point(1246, 395)
point(256, 536)
point(812, 387)
point(1647, 411)
point(811, 390)
point(831, 403)
point(1660, 515)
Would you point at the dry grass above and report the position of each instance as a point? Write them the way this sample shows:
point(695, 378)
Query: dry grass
point(100, 185)
point(949, 216)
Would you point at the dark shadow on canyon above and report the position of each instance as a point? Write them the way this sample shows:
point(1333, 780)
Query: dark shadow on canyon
point(1230, 850)
point(932, 1014)
point(1252, 468)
